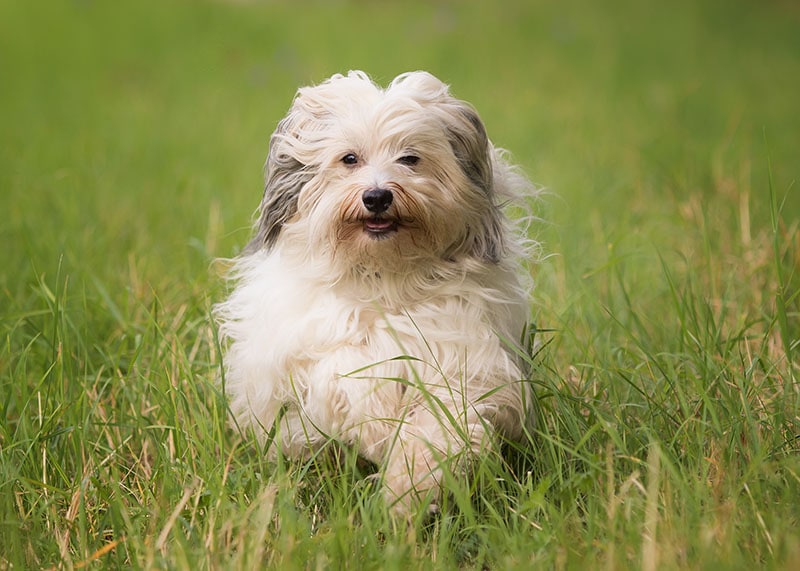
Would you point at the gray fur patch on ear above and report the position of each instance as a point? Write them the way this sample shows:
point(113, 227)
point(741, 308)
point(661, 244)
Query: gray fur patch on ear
point(471, 147)
point(278, 206)
point(285, 178)
point(490, 244)
point(475, 153)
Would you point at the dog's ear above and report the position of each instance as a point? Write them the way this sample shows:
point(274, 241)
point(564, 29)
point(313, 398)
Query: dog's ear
point(293, 152)
point(464, 127)
point(476, 157)
point(284, 177)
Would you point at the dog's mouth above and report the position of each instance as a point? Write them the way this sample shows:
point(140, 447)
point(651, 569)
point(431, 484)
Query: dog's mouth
point(380, 227)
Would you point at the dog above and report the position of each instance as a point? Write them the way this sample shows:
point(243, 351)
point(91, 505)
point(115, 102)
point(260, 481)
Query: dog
point(381, 298)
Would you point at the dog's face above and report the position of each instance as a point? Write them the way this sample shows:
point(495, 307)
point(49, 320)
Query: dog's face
point(381, 179)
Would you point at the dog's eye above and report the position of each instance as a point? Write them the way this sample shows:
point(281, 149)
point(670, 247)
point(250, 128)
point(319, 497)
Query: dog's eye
point(350, 159)
point(408, 160)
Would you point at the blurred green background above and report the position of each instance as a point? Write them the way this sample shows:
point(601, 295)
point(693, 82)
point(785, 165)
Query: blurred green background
point(139, 128)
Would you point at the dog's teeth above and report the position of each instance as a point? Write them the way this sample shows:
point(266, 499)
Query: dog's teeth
point(376, 225)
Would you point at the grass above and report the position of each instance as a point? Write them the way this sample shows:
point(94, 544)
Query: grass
point(131, 139)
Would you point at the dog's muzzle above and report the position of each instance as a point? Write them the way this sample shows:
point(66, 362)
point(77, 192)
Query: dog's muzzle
point(378, 201)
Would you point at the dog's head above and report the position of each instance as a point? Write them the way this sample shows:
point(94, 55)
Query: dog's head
point(382, 178)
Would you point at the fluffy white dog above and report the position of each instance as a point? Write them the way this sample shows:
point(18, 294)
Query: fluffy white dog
point(379, 303)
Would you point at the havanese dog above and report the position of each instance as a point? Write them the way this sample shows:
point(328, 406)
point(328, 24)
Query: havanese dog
point(381, 300)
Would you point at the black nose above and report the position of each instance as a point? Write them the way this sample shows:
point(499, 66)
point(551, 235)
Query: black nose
point(377, 200)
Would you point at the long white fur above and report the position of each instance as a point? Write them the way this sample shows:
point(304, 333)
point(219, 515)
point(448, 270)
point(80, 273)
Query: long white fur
point(397, 345)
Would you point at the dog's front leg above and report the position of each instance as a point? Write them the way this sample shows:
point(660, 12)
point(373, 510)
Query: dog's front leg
point(428, 449)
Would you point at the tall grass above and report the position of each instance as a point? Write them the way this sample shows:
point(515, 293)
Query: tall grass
point(131, 139)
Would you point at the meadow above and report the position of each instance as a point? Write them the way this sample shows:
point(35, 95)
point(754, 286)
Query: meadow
point(666, 137)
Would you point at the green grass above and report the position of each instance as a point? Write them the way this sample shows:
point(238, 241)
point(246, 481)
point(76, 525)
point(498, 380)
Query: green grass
point(131, 145)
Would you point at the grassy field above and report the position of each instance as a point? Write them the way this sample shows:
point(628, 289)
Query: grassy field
point(667, 134)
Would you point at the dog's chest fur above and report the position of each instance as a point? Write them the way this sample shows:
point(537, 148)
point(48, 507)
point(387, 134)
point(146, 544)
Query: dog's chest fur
point(345, 361)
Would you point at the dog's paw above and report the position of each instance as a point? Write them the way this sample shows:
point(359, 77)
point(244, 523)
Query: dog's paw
point(338, 409)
